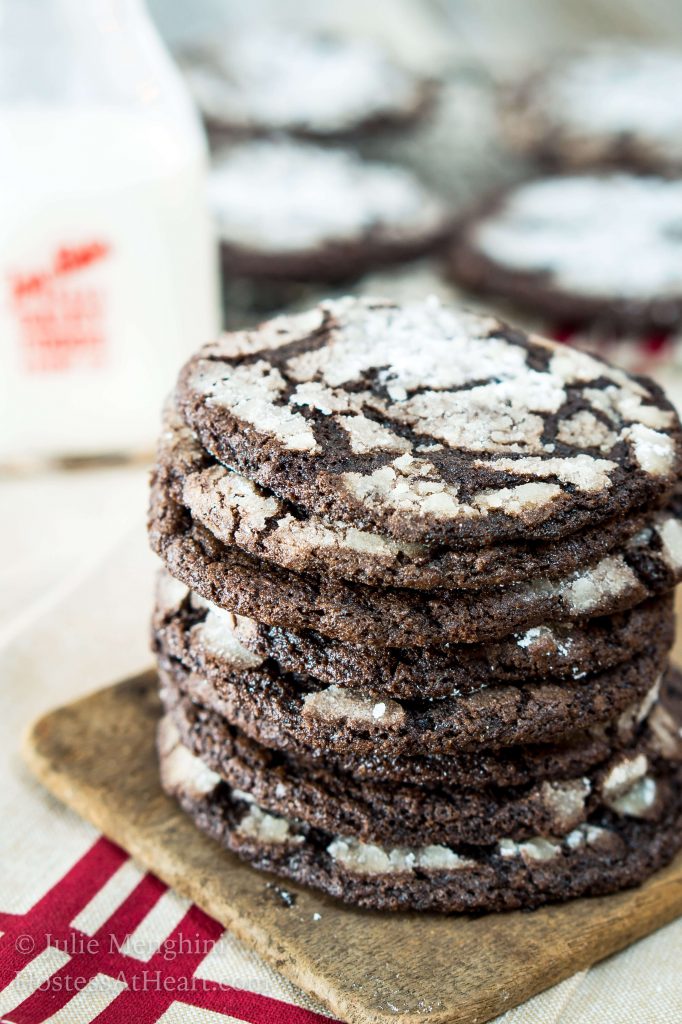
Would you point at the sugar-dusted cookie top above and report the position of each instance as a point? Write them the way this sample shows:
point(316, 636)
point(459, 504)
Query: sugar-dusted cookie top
point(279, 205)
point(312, 85)
point(430, 422)
point(608, 105)
point(237, 511)
point(581, 246)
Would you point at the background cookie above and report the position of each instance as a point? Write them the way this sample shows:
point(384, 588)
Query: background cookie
point(318, 86)
point(299, 212)
point(609, 105)
point(581, 248)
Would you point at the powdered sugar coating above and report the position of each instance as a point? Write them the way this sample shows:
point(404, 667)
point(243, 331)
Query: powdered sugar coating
point(587, 835)
point(666, 733)
point(537, 634)
point(181, 771)
point(290, 81)
point(218, 634)
point(654, 451)
point(281, 196)
point(370, 859)
point(400, 411)
point(670, 532)
point(610, 577)
point(267, 828)
point(638, 713)
point(373, 334)
point(538, 849)
point(272, 334)
point(584, 430)
point(649, 700)
point(623, 774)
point(409, 485)
point(252, 391)
point(239, 512)
point(584, 471)
point(608, 93)
point(637, 801)
point(610, 236)
point(566, 802)
point(337, 705)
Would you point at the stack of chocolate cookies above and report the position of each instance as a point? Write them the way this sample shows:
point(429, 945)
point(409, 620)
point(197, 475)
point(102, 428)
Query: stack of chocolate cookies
point(414, 622)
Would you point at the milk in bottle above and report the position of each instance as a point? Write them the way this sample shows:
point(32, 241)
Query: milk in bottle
point(107, 261)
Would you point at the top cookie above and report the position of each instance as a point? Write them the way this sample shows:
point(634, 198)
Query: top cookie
point(581, 247)
point(431, 423)
point(308, 85)
point(614, 105)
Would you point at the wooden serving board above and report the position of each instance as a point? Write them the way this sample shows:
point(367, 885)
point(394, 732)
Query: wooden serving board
point(98, 756)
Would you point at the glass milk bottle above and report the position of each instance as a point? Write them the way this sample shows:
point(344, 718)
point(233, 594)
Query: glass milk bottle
point(108, 273)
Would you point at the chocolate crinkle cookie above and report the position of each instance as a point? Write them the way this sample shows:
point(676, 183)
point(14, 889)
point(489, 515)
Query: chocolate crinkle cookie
point(316, 86)
point(609, 105)
point(293, 211)
point(597, 248)
point(414, 621)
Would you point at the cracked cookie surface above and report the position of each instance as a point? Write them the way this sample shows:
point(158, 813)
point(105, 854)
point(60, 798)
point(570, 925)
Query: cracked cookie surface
point(237, 511)
point(430, 424)
point(650, 563)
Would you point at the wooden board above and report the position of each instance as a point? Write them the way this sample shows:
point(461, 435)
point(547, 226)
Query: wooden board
point(98, 756)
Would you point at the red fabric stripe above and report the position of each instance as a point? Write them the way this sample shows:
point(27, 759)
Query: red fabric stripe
point(152, 986)
point(132, 911)
point(249, 1006)
point(147, 1007)
point(53, 912)
point(199, 933)
point(56, 993)
point(133, 1007)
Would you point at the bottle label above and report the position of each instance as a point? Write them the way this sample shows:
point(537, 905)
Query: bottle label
point(60, 309)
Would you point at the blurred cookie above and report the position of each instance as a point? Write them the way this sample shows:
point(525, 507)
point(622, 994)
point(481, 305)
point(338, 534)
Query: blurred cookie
point(612, 105)
point(604, 248)
point(294, 211)
point(312, 85)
